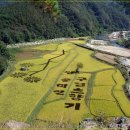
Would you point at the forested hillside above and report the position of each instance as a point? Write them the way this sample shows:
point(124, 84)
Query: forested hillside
point(4, 57)
point(92, 18)
point(27, 21)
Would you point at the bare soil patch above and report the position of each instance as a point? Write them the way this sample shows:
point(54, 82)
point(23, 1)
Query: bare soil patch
point(30, 54)
point(106, 57)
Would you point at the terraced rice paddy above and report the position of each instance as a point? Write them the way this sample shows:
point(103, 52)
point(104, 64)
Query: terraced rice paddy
point(48, 89)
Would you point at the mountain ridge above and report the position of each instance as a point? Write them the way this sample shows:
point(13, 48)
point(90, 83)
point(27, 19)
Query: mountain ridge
point(24, 22)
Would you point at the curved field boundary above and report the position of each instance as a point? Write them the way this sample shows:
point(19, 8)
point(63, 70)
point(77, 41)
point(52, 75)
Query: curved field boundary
point(56, 65)
point(41, 57)
point(102, 99)
point(47, 73)
point(101, 85)
point(46, 64)
point(64, 97)
point(40, 104)
point(90, 88)
point(92, 72)
point(91, 82)
point(112, 93)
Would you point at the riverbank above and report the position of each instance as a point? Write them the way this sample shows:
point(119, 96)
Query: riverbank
point(105, 48)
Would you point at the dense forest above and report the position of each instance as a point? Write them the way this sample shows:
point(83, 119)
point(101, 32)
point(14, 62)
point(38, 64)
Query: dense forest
point(5, 56)
point(24, 21)
point(28, 21)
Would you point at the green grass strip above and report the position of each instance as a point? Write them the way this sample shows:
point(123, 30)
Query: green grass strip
point(90, 89)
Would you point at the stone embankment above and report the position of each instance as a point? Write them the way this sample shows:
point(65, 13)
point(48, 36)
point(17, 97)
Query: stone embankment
point(116, 123)
point(113, 50)
point(40, 42)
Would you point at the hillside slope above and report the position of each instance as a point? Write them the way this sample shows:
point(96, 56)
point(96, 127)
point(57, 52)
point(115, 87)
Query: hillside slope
point(91, 18)
point(21, 22)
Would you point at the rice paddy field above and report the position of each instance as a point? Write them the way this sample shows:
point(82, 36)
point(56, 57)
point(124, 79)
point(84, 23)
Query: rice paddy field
point(46, 89)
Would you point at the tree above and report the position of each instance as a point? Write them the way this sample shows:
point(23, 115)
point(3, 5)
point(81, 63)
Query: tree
point(4, 51)
point(4, 57)
point(3, 65)
point(63, 51)
point(79, 66)
point(50, 6)
point(5, 37)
